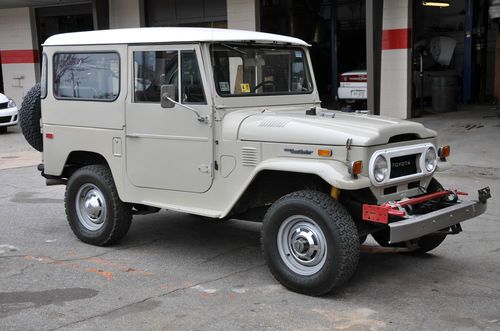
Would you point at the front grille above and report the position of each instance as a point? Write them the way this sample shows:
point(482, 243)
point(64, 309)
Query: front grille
point(4, 105)
point(403, 165)
point(5, 119)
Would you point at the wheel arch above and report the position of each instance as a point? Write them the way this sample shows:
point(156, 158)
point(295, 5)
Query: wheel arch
point(81, 158)
point(278, 177)
point(268, 185)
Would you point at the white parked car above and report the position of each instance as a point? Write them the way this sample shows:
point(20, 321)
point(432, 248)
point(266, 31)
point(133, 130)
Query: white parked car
point(8, 113)
point(353, 86)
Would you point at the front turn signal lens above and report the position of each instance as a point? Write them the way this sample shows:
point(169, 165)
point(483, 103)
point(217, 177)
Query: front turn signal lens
point(325, 152)
point(444, 152)
point(356, 167)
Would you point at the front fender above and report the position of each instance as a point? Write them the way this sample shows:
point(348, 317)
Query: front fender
point(333, 172)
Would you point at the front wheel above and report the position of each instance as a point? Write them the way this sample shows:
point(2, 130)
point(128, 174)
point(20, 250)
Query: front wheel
point(310, 242)
point(94, 211)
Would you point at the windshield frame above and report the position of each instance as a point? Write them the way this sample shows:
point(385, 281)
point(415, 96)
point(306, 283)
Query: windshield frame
point(309, 74)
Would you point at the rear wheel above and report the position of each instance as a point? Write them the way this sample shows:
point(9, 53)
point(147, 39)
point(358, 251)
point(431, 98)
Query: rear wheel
point(310, 242)
point(94, 211)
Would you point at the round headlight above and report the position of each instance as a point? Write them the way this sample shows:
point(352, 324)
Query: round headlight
point(430, 159)
point(380, 168)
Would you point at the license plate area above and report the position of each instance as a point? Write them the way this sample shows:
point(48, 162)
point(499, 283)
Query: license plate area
point(358, 94)
point(404, 165)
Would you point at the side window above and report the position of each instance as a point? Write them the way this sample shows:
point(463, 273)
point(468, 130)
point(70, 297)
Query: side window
point(152, 69)
point(191, 85)
point(43, 79)
point(87, 76)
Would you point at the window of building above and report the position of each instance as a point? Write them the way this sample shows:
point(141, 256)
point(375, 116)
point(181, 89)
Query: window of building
point(87, 76)
point(200, 13)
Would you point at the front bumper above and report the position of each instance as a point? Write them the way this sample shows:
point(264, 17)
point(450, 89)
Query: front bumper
point(421, 225)
point(404, 225)
point(9, 116)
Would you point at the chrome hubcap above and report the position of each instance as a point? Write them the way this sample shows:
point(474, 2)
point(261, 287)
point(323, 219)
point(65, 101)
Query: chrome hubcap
point(91, 207)
point(302, 245)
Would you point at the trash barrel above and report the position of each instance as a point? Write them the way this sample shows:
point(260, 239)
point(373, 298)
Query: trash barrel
point(444, 93)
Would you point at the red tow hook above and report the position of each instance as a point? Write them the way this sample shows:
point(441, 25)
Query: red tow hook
point(380, 213)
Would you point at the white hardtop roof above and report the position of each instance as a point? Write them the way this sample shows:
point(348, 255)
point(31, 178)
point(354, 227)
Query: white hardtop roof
point(166, 35)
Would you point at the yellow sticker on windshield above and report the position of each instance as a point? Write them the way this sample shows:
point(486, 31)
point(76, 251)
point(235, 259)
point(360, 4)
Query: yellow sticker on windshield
point(245, 88)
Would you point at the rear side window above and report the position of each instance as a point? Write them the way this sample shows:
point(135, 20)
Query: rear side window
point(87, 76)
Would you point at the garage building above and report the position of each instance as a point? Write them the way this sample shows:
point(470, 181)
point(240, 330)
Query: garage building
point(421, 56)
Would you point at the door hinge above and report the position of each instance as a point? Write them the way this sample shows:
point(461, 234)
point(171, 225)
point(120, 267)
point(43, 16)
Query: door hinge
point(205, 168)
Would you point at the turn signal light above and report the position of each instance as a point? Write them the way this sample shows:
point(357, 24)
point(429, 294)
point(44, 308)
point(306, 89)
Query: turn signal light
point(444, 152)
point(325, 152)
point(356, 167)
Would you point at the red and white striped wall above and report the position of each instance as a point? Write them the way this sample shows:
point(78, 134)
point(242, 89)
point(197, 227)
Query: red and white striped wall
point(395, 79)
point(18, 52)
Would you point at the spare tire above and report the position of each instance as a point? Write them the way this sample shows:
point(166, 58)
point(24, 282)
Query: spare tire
point(29, 118)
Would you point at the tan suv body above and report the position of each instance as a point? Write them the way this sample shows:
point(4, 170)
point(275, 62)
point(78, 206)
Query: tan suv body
point(228, 124)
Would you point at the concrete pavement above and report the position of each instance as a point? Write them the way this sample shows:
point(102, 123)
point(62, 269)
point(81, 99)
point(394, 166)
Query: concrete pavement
point(177, 272)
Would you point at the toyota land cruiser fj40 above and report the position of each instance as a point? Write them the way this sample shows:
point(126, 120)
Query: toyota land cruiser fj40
point(228, 124)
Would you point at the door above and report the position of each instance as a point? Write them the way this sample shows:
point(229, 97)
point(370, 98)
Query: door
point(168, 148)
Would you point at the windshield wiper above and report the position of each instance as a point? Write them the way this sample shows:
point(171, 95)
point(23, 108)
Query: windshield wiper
point(233, 49)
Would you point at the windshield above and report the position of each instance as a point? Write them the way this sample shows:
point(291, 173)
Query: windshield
point(243, 70)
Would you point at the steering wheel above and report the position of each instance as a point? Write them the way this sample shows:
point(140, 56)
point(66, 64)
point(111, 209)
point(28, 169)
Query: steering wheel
point(265, 82)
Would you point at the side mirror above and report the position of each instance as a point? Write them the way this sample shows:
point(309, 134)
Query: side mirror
point(167, 96)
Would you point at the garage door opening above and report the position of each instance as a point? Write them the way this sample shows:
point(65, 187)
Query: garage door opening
point(453, 56)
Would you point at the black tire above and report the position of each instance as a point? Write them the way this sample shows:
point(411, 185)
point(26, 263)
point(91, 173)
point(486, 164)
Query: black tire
point(29, 118)
point(3, 129)
point(341, 242)
point(428, 243)
point(112, 217)
point(420, 245)
point(382, 238)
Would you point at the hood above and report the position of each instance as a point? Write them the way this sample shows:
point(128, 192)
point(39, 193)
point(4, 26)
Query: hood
point(364, 130)
point(3, 98)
